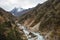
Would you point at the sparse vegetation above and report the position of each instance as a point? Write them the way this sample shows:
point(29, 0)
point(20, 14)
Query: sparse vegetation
point(48, 14)
point(8, 29)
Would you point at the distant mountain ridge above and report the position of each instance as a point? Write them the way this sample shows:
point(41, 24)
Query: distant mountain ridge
point(16, 10)
point(19, 11)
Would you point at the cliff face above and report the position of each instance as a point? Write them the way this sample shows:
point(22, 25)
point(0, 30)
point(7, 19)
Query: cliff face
point(46, 17)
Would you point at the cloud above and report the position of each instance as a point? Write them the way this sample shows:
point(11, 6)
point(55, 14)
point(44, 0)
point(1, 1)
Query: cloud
point(10, 4)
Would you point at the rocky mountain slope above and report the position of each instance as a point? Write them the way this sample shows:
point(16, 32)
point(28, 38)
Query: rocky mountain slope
point(8, 28)
point(44, 18)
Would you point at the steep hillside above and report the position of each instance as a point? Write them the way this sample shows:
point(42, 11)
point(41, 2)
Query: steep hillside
point(6, 15)
point(8, 28)
point(46, 17)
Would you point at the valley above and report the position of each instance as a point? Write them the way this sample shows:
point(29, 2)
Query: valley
point(38, 23)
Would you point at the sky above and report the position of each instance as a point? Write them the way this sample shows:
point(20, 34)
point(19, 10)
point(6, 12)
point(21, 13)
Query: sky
point(10, 4)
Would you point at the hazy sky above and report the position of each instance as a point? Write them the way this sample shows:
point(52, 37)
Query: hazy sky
point(10, 4)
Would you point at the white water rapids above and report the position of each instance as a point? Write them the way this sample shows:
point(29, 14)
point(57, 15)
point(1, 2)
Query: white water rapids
point(30, 35)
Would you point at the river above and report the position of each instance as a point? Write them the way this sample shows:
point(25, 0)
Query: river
point(29, 34)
